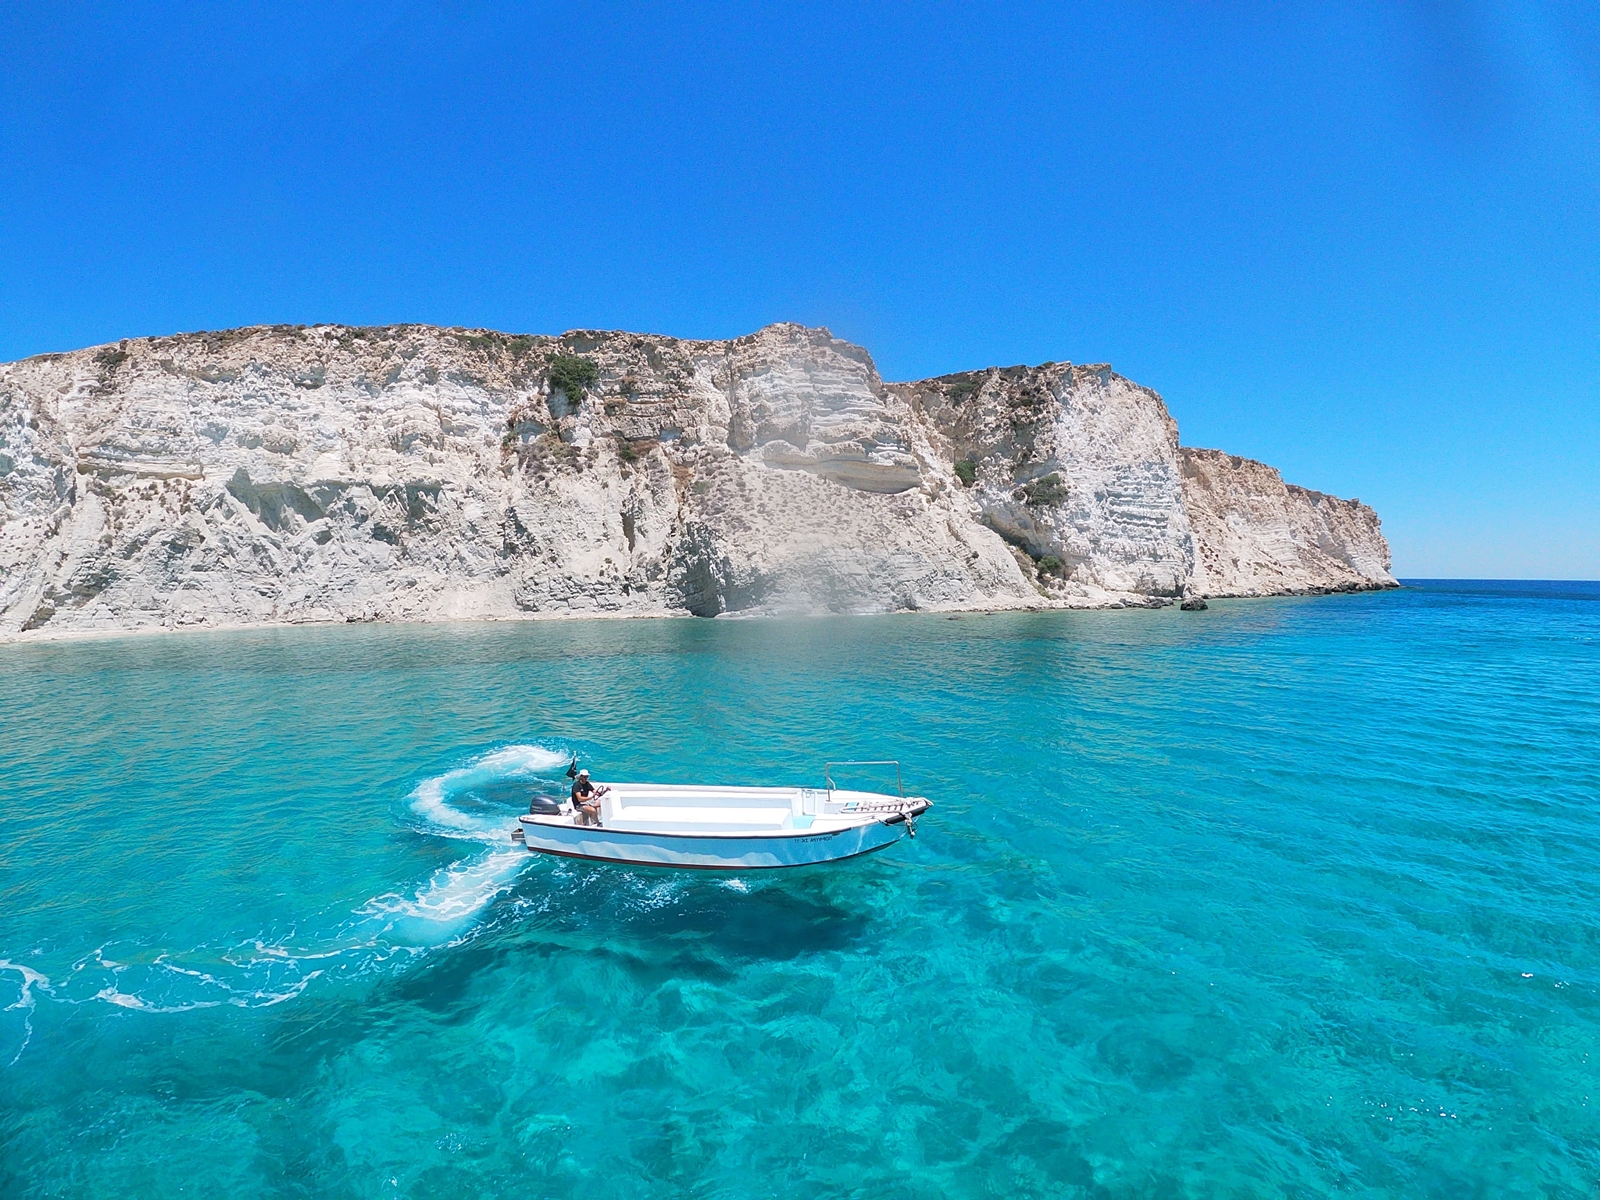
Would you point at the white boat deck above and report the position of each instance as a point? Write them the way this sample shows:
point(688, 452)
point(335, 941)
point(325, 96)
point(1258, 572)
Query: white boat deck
point(684, 809)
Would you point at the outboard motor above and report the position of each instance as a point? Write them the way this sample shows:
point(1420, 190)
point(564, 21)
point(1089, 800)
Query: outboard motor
point(515, 791)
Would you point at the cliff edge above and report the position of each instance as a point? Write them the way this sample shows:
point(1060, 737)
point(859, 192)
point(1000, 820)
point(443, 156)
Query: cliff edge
point(410, 472)
point(1256, 535)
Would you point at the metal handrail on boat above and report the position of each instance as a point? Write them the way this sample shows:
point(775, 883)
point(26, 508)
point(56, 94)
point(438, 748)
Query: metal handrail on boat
point(827, 771)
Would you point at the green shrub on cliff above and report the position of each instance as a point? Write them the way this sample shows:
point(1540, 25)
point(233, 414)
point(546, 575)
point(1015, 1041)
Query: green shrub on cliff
point(967, 472)
point(572, 374)
point(963, 388)
point(1049, 490)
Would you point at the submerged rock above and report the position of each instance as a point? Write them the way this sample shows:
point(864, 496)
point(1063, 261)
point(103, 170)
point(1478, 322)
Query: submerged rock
point(284, 473)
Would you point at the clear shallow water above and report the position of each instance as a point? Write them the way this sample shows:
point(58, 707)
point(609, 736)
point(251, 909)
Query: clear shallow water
point(1286, 898)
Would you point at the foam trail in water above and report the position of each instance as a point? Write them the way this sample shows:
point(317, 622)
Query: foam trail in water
point(456, 894)
point(25, 1000)
point(261, 973)
point(452, 898)
point(433, 798)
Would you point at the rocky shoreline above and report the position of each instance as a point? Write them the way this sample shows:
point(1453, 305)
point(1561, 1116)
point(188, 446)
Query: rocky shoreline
point(284, 475)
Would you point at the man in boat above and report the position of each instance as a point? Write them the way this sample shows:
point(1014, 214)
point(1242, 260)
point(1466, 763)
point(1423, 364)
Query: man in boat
point(586, 800)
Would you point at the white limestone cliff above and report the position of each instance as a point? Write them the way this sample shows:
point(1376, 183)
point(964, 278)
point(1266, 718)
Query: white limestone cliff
point(286, 474)
point(1258, 536)
point(1077, 467)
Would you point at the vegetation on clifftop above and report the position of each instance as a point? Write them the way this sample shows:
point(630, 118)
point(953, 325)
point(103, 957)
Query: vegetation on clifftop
point(573, 374)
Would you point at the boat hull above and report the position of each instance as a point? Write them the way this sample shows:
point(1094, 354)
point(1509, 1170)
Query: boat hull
point(708, 852)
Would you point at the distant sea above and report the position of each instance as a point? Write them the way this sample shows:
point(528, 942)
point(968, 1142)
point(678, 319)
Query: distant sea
point(1291, 897)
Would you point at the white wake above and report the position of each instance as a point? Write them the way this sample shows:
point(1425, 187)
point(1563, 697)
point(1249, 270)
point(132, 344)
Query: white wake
point(439, 912)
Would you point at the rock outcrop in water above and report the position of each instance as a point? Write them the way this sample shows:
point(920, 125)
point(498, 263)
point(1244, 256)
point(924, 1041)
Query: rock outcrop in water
point(415, 473)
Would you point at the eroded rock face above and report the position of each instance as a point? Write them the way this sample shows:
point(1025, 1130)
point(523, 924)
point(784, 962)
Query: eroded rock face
point(1076, 465)
point(1258, 536)
point(410, 472)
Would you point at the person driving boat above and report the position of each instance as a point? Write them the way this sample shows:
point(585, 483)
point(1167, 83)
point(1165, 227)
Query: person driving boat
point(586, 799)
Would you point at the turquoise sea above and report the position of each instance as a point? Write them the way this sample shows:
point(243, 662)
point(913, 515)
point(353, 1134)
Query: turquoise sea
point(1287, 898)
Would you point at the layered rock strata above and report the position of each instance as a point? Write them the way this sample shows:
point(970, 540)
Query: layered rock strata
point(285, 474)
point(1256, 535)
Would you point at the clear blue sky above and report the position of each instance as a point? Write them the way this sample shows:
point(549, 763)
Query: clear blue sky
point(1359, 242)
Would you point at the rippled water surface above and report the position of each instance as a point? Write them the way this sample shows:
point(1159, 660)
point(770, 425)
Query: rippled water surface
point(1287, 898)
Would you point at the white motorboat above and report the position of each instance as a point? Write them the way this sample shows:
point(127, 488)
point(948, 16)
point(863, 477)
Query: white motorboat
point(727, 828)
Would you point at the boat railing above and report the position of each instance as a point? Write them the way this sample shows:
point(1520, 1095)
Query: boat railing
point(827, 771)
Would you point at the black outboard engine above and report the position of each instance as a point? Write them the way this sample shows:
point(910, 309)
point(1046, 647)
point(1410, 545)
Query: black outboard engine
point(515, 791)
